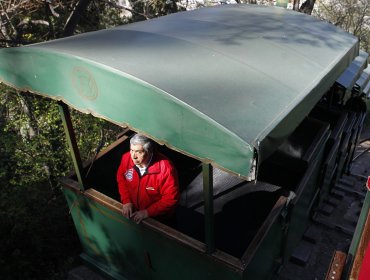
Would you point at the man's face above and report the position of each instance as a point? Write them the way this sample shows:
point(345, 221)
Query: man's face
point(138, 155)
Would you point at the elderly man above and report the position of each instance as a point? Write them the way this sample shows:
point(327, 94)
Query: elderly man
point(147, 182)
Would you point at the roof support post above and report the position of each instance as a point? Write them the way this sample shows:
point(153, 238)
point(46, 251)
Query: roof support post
point(208, 207)
point(72, 143)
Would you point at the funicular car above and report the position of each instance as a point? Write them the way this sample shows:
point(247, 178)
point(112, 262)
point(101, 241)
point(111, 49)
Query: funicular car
point(232, 95)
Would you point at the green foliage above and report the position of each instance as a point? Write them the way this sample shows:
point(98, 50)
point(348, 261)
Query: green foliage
point(91, 132)
point(99, 15)
point(34, 147)
point(36, 232)
point(38, 240)
point(33, 140)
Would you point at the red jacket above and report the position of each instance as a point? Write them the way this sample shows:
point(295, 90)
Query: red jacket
point(156, 191)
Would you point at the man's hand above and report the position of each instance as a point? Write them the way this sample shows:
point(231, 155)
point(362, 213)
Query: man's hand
point(127, 210)
point(139, 216)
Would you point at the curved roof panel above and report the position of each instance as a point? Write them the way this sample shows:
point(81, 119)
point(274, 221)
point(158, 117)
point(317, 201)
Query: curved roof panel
point(215, 83)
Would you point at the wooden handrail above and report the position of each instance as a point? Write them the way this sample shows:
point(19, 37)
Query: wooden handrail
point(336, 266)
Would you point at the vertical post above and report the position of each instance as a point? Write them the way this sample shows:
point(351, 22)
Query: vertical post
point(208, 207)
point(361, 223)
point(72, 143)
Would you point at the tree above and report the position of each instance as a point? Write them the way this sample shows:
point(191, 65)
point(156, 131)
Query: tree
point(296, 5)
point(74, 18)
point(24, 22)
point(307, 6)
point(351, 15)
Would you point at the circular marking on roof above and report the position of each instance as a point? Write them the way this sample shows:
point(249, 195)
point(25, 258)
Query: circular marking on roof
point(84, 83)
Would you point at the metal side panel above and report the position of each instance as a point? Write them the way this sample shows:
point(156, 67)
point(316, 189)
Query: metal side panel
point(302, 205)
point(267, 245)
point(328, 170)
point(123, 249)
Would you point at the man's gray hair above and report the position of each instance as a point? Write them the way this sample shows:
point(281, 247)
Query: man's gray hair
point(139, 139)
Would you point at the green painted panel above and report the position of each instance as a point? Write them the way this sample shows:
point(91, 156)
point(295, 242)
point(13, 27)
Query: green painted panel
point(269, 252)
point(302, 206)
point(360, 226)
point(125, 100)
point(125, 249)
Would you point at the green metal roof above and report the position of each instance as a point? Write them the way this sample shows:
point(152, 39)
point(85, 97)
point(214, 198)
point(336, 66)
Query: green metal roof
point(363, 80)
point(353, 71)
point(215, 83)
point(367, 91)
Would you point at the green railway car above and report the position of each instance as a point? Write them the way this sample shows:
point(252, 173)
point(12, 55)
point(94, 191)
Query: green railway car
point(248, 103)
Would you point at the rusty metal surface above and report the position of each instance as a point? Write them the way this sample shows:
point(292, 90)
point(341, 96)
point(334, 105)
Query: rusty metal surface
point(336, 266)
